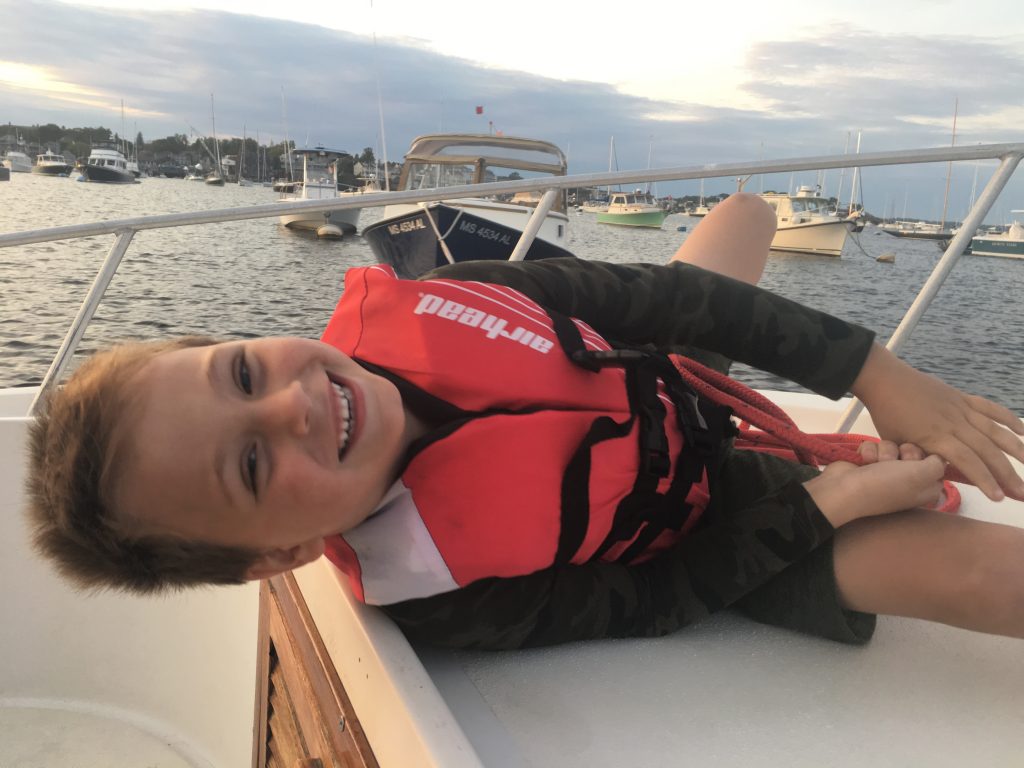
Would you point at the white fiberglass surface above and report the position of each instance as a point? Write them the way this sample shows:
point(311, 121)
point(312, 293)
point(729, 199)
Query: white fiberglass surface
point(181, 669)
point(42, 735)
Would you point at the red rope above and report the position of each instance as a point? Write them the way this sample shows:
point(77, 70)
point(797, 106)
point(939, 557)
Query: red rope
point(776, 433)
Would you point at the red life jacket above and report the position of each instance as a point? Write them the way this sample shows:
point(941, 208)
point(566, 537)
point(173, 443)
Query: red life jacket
point(540, 462)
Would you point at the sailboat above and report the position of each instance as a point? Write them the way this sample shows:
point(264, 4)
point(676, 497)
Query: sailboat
point(927, 230)
point(216, 176)
point(242, 181)
point(701, 210)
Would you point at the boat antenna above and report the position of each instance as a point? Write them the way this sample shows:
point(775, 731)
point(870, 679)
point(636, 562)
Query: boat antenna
point(380, 107)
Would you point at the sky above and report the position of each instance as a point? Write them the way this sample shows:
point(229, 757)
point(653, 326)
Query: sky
point(675, 83)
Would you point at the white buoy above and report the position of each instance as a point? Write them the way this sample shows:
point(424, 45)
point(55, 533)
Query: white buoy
point(887, 258)
point(329, 232)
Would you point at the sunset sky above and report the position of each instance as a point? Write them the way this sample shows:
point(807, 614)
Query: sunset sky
point(685, 83)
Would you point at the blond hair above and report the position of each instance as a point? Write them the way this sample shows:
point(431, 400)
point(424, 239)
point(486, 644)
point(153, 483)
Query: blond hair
point(74, 464)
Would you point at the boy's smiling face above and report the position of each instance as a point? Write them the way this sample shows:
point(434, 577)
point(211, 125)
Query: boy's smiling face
point(268, 444)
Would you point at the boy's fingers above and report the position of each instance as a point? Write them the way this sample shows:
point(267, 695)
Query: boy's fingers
point(983, 464)
point(997, 412)
point(1004, 439)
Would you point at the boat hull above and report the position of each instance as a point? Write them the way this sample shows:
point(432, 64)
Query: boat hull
point(941, 235)
point(652, 218)
point(107, 175)
point(988, 246)
point(817, 238)
point(54, 169)
point(346, 221)
point(410, 239)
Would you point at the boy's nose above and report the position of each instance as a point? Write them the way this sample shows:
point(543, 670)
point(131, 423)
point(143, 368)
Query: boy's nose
point(287, 409)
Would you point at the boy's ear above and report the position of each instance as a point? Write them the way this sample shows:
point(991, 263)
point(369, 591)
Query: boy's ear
point(274, 561)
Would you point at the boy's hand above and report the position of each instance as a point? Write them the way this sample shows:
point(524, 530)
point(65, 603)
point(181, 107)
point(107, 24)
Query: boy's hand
point(845, 492)
point(971, 433)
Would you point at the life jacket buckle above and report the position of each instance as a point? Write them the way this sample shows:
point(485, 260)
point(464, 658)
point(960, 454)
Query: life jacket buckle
point(595, 360)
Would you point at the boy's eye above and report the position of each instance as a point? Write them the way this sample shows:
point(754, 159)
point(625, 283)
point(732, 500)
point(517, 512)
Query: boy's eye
point(250, 468)
point(244, 376)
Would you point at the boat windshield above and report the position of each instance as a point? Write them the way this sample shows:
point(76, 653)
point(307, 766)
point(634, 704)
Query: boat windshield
point(431, 175)
point(810, 205)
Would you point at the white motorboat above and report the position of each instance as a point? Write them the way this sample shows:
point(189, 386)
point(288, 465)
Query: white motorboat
point(107, 165)
point(52, 164)
point(415, 238)
point(296, 671)
point(320, 182)
point(17, 162)
point(807, 224)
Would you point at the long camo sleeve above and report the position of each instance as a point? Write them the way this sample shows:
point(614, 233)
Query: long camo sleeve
point(680, 304)
point(715, 565)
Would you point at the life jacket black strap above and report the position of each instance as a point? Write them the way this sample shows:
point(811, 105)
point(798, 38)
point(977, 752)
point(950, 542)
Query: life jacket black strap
point(643, 514)
point(575, 510)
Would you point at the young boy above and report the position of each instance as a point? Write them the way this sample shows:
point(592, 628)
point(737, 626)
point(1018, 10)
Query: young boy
point(503, 479)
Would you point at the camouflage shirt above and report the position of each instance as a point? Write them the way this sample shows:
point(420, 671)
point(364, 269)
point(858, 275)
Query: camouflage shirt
point(715, 565)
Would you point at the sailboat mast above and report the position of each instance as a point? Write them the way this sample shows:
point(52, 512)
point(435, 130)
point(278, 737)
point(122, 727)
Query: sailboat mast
point(611, 155)
point(842, 174)
point(287, 142)
point(216, 144)
point(949, 169)
point(853, 186)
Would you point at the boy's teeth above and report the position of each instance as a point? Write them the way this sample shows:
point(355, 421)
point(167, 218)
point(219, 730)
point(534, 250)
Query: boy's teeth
point(345, 416)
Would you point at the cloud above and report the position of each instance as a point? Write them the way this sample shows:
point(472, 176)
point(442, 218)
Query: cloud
point(325, 83)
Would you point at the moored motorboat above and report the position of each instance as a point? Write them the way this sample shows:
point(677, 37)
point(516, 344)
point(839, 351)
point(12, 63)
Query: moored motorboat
point(1008, 244)
point(415, 238)
point(107, 165)
point(320, 182)
point(52, 164)
point(17, 162)
point(807, 224)
point(633, 209)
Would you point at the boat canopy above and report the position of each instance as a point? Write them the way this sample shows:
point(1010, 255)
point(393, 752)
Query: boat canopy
point(504, 151)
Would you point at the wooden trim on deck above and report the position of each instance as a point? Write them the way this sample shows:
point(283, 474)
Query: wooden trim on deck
point(305, 715)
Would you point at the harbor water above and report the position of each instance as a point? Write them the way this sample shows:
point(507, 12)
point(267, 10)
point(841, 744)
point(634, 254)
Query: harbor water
point(255, 278)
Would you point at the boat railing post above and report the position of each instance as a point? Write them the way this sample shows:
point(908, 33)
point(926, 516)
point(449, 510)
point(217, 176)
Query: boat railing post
point(533, 225)
point(85, 313)
point(954, 251)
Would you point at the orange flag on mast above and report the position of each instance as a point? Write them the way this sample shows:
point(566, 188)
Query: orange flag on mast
point(479, 110)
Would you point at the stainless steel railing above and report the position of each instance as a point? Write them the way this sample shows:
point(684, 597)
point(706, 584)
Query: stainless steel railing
point(124, 230)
